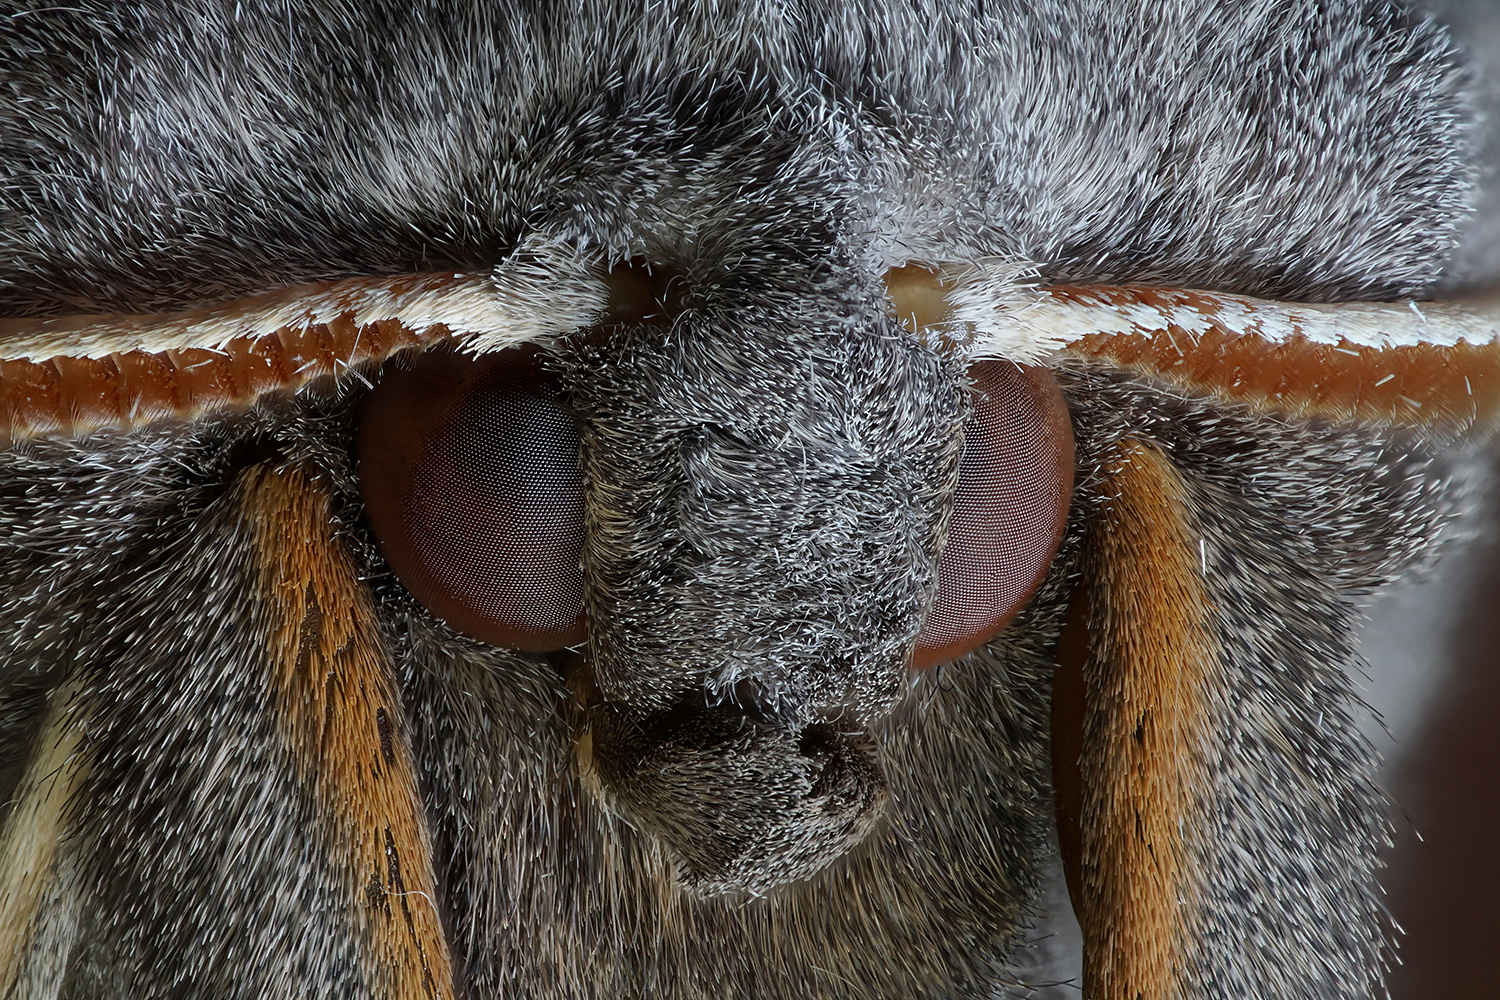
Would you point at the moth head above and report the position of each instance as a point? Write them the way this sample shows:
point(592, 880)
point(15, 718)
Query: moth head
point(781, 502)
point(737, 507)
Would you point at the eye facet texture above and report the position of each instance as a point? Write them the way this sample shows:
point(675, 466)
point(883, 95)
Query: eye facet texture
point(1009, 508)
point(469, 471)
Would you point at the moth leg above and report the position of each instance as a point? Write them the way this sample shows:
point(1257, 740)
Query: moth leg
point(341, 714)
point(28, 845)
point(221, 798)
point(1152, 659)
point(1230, 827)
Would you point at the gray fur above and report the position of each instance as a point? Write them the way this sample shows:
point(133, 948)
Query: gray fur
point(1297, 520)
point(781, 157)
point(729, 505)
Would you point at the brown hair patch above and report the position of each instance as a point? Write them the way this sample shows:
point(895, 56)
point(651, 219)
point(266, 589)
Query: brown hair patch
point(1152, 654)
point(340, 712)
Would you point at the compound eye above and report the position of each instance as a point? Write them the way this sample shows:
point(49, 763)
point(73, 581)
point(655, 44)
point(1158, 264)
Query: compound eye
point(469, 471)
point(1009, 509)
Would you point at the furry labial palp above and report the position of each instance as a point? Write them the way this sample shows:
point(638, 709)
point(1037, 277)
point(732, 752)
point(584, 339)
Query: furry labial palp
point(269, 731)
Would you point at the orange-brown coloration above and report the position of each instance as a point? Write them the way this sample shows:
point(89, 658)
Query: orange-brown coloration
point(324, 328)
point(71, 395)
point(919, 295)
point(1215, 344)
point(1423, 385)
point(340, 713)
point(1153, 654)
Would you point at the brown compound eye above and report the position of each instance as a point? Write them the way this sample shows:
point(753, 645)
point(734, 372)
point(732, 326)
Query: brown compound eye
point(1009, 509)
point(469, 471)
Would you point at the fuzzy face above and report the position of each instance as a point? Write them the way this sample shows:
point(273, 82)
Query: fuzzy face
point(767, 258)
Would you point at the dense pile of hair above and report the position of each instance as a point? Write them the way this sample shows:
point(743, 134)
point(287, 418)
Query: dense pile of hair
point(779, 156)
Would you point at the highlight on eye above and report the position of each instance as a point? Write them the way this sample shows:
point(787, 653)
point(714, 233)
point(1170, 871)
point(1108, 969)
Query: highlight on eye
point(1009, 509)
point(469, 471)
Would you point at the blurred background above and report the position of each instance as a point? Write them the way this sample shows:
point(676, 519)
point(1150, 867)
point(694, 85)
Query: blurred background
point(1433, 647)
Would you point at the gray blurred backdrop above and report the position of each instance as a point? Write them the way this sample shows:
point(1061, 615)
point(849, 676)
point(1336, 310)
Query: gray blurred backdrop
point(1435, 669)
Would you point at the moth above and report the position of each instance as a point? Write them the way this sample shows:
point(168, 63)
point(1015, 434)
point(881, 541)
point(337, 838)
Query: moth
point(561, 500)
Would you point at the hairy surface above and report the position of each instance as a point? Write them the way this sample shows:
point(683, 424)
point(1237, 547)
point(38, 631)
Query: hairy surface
point(169, 153)
point(746, 795)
